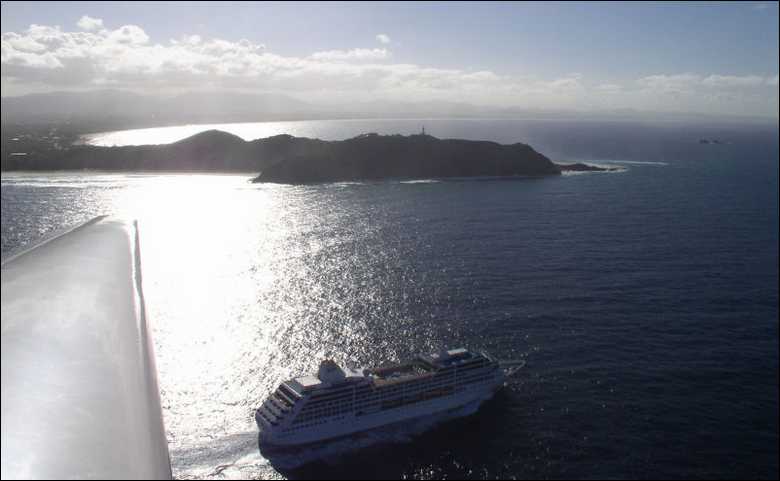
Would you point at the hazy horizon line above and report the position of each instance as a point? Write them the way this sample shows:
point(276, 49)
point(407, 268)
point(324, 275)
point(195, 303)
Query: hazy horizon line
point(342, 108)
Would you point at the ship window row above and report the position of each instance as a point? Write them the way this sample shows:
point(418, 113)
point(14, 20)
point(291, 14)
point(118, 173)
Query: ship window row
point(409, 387)
point(471, 372)
point(399, 399)
point(267, 413)
point(281, 405)
point(466, 382)
point(312, 405)
point(333, 390)
point(474, 384)
point(468, 379)
point(416, 382)
point(282, 398)
point(326, 408)
point(331, 397)
point(268, 419)
point(334, 393)
point(471, 380)
point(361, 400)
point(382, 393)
point(328, 405)
point(292, 395)
point(341, 394)
point(411, 391)
point(476, 361)
point(273, 409)
point(460, 367)
point(472, 366)
point(341, 390)
point(310, 424)
point(325, 412)
point(309, 407)
point(323, 399)
point(321, 415)
point(413, 399)
point(436, 380)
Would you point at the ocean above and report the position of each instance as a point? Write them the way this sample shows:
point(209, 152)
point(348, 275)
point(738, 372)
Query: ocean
point(644, 301)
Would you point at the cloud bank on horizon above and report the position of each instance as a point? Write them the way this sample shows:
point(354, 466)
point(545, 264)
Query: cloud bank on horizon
point(93, 55)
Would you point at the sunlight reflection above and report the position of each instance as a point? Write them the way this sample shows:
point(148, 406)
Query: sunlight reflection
point(166, 135)
point(245, 286)
point(202, 275)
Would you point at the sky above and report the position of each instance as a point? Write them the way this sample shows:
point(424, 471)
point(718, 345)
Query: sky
point(706, 57)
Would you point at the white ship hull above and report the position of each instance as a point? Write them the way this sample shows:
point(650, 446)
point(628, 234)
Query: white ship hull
point(350, 423)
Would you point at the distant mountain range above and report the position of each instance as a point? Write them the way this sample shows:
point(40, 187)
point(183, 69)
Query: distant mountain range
point(102, 110)
point(207, 107)
point(118, 105)
point(210, 107)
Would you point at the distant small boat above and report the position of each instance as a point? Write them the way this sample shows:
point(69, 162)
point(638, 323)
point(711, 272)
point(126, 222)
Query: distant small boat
point(338, 401)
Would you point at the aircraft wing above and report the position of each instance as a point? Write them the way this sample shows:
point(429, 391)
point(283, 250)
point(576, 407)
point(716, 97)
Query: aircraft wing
point(79, 383)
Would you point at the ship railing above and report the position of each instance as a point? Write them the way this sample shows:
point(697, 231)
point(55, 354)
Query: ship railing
point(511, 367)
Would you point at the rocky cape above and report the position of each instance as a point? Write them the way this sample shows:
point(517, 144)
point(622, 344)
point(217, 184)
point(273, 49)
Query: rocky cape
point(295, 160)
point(374, 157)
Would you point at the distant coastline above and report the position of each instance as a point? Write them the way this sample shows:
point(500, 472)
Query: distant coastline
point(288, 159)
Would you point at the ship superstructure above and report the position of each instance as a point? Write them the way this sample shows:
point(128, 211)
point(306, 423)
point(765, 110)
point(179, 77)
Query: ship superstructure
point(338, 401)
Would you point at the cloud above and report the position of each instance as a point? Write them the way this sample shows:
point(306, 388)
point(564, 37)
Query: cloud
point(669, 83)
point(125, 57)
point(354, 54)
point(571, 82)
point(88, 23)
point(19, 43)
point(382, 38)
point(733, 81)
point(128, 34)
point(687, 82)
point(609, 87)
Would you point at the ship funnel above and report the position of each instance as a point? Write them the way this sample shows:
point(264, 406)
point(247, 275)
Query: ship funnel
point(331, 372)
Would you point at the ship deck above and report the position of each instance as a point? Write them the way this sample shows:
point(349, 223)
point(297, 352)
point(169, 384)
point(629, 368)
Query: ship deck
point(399, 373)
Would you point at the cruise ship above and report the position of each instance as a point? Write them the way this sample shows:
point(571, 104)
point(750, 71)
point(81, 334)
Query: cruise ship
point(338, 401)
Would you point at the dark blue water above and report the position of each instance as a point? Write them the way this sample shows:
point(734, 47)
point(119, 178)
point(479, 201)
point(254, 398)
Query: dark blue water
point(644, 302)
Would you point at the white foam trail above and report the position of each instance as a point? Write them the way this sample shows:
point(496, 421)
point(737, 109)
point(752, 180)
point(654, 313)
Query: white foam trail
point(346, 184)
point(637, 162)
point(611, 171)
point(612, 168)
point(422, 181)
